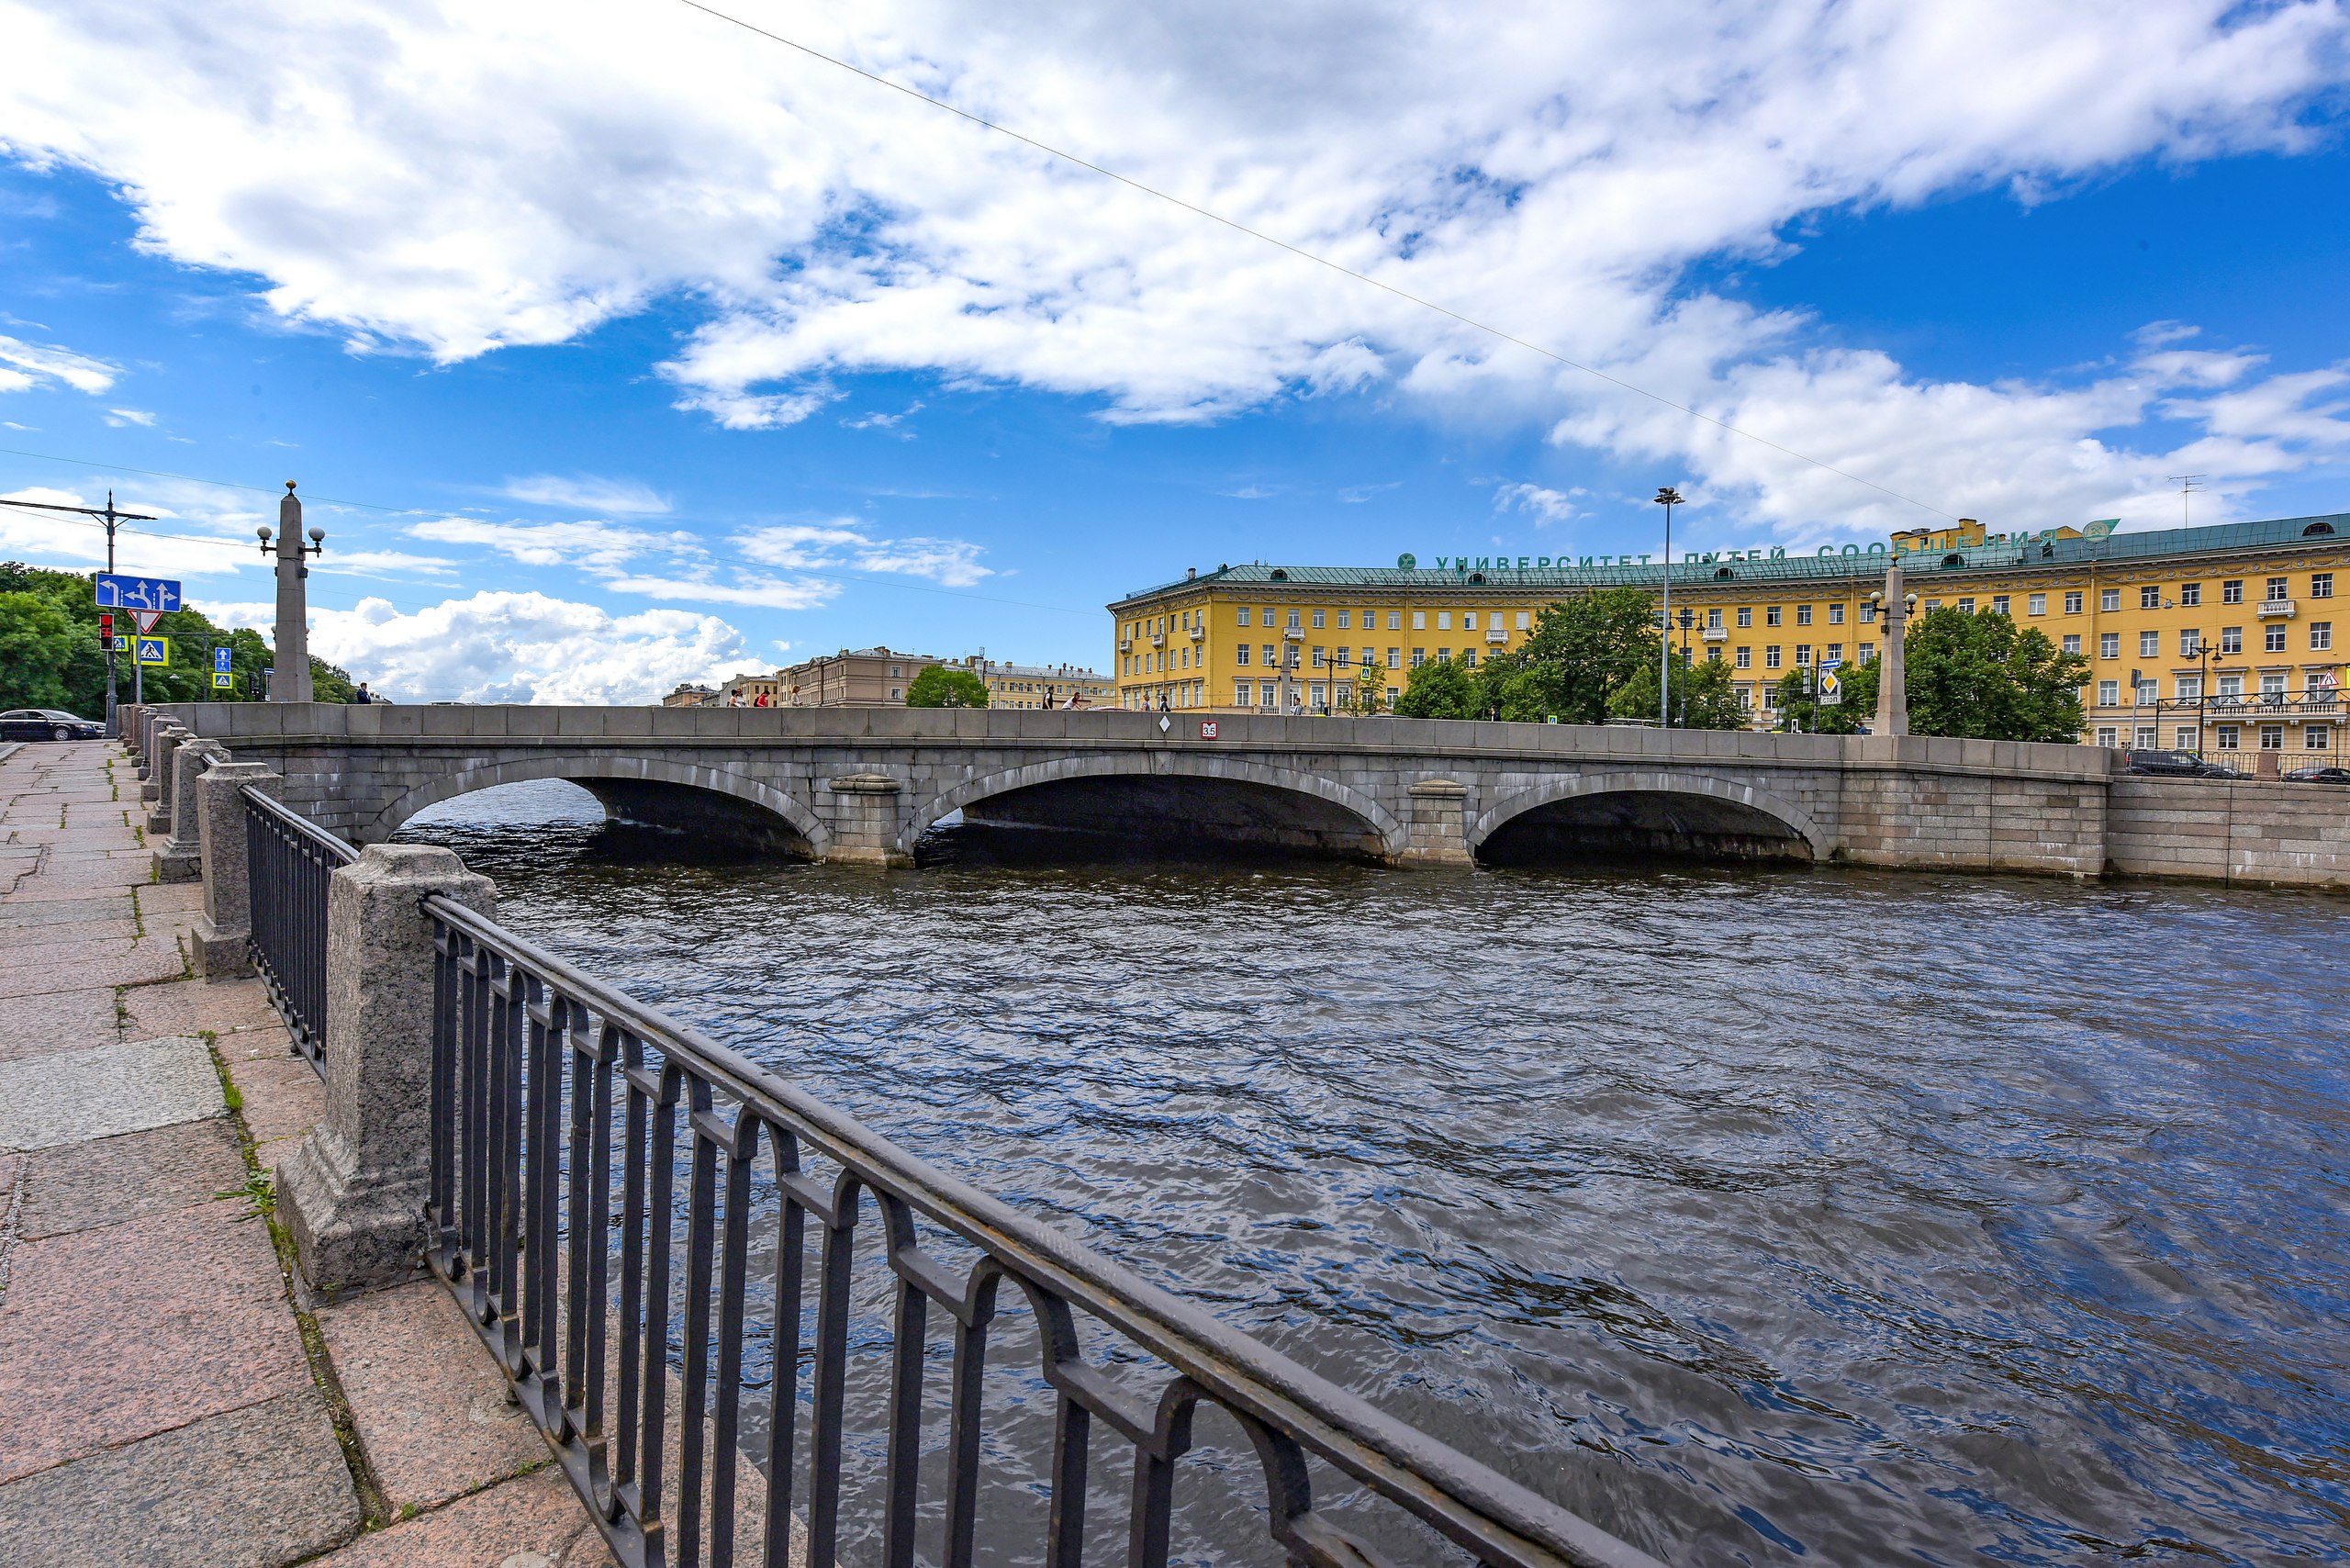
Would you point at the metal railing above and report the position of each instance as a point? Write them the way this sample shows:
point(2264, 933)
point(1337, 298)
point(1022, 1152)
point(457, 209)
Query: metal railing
point(288, 860)
point(528, 1056)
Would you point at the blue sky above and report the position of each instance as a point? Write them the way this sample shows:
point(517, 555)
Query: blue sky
point(642, 350)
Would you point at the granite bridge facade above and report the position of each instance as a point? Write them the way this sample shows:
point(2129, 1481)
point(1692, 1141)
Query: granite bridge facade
point(864, 785)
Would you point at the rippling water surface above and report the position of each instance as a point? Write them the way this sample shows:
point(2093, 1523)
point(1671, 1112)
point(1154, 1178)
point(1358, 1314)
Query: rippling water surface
point(1759, 1217)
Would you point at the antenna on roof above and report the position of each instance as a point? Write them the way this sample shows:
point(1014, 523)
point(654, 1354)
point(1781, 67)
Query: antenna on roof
point(2188, 485)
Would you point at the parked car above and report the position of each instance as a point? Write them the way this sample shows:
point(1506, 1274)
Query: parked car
point(2320, 776)
point(2169, 763)
point(47, 724)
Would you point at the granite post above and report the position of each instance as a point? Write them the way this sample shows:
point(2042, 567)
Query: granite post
point(157, 791)
point(1892, 686)
point(178, 857)
point(224, 928)
point(353, 1194)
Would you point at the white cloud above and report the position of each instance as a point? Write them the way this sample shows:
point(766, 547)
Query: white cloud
point(1547, 506)
point(589, 546)
point(587, 492)
point(1551, 170)
point(201, 530)
point(120, 417)
point(844, 545)
point(768, 593)
point(515, 647)
point(32, 364)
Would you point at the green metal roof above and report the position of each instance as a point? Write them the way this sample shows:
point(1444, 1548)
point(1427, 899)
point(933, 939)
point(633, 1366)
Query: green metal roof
point(1500, 573)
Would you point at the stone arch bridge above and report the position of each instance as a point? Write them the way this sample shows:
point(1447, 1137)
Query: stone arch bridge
point(863, 785)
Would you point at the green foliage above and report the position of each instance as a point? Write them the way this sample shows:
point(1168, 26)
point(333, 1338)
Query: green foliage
point(36, 641)
point(1705, 696)
point(1978, 676)
point(1441, 689)
point(1793, 699)
point(73, 673)
point(939, 687)
point(1583, 652)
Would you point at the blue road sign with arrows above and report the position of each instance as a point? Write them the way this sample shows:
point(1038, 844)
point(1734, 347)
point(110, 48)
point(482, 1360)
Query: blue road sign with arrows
point(221, 664)
point(117, 592)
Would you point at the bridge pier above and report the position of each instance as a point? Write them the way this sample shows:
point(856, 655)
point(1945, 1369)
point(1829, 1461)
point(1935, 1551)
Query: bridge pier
point(1437, 831)
point(868, 818)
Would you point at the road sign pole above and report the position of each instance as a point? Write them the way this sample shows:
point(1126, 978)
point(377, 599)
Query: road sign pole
point(112, 727)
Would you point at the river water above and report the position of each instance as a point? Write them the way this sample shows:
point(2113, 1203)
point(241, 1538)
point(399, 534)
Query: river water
point(1762, 1216)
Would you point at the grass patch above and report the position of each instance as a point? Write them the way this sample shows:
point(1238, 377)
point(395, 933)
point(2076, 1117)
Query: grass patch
point(374, 1513)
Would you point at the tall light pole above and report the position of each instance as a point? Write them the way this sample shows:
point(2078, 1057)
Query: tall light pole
point(291, 682)
point(1668, 498)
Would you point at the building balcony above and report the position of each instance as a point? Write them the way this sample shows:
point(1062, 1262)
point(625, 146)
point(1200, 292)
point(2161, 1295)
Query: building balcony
point(1125, 644)
point(1716, 633)
point(1159, 639)
point(1497, 634)
point(1295, 633)
point(2275, 610)
point(1199, 633)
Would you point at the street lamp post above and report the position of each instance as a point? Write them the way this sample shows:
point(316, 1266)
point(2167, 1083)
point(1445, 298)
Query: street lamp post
point(292, 683)
point(1668, 498)
point(1688, 620)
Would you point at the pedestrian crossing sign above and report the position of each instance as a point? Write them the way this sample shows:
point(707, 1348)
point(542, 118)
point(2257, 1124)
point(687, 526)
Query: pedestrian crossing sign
point(153, 650)
point(222, 680)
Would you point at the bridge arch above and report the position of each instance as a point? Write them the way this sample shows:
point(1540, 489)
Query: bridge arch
point(1383, 822)
point(1736, 793)
point(587, 770)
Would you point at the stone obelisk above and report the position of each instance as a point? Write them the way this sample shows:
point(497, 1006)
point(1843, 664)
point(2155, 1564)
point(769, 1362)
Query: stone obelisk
point(290, 682)
point(1892, 693)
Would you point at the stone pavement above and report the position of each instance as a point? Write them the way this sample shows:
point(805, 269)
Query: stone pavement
point(166, 1398)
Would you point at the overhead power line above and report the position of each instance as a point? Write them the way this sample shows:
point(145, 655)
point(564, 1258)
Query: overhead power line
point(1299, 251)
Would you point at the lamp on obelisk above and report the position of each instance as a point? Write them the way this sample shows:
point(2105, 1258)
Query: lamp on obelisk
point(1892, 692)
point(290, 682)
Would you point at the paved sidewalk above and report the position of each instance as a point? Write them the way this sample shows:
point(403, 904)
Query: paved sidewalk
point(165, 1398)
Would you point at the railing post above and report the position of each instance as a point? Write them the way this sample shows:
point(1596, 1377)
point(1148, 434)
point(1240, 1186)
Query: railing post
point(163, 739)
point(353, 1194)
point(179, 857)
point(126, 720)
point(224, 930)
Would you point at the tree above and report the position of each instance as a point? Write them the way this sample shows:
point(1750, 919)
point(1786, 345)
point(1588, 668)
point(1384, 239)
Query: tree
point(1979, 677)
point(1370, 687)
point(1856, 704)
point(1581, 653)
point(1441, 689)
point(1705, 697)
point(939, 687)
point(35, 642)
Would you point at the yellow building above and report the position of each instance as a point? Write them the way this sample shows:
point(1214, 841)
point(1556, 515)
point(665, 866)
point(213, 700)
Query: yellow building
point(1041, 686)
point(2207, 639)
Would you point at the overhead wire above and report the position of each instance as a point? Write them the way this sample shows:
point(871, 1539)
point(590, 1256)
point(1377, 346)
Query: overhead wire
point(1299, 251)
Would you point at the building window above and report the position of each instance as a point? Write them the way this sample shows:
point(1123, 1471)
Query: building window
point(1803, 615)
point(1803, 655)
point(2150, 597)
point(1867, 652)
point(2321, 585)
point(1469, 658)
point(1419, 657)
point(2108, 644)
point(2278, 589)
point(1271, 658)
point(2108, 736)
point(2036, 605)
point(1244, 621)
point(2321, 636)
point(2149, 738)
point(2190, 688)
point(1395, 657)
point(2145, 692)
point(2232, 591)
point(1319, 656)
point(1344, 619)
point(1315, 695)
point(1998, 604)
point(1444, 621)
point(1770, 656)
point(1932, 605)
point(1868, 615)
point(1318, 621)
point(1771, 616)
point(1746, 615)
point(2073, 602)
point(1369, 620)
point(1835, 615)
point(2189, 595)
point(1293, 621)
point(1713, 655)
point(2109, 693)
point(2150, 644)
point(1419, 620)
point(1469, 620)
point(1967, 607)
point(895, 694)
point(2187, 738)
point(2108, 599)
point(2191, 642)
point(1264, 694)
point(1745, 659)
point(2317, 737)
point(2272, 639)
point(1343, 657)
point(2231, 686)
point(1525, 619)
point(1835, 653)
point(1240, 654)
point(2228, 738)
point(2272, 738)
point(2232, 639)
point(1240, 694)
